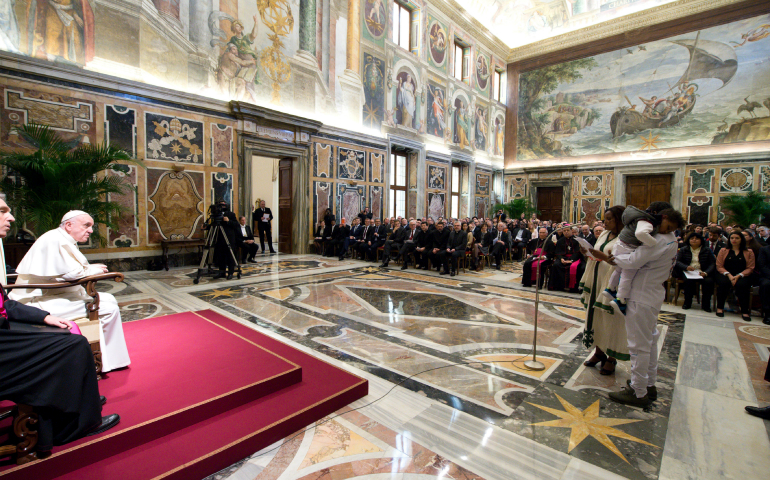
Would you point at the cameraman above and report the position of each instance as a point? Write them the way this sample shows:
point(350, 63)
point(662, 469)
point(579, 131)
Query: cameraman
point(223, 258)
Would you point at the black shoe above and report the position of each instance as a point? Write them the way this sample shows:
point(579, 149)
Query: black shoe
point(706, 309)
point(272, 251)
point(229, 276)
point(453, 273)
point(746, 318)
point(384, 265)
point(497, 266)
point(107, 423)
point(687, 305)
point(444, 273)
point(219, 275)
point(721, 314)
point(403, 267)
point(652, 391)
point(761, 412)
point(341, 259)
point(766, 321)
point(102, 399)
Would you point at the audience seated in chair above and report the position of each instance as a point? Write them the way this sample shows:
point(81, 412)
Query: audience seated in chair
point(695, 257)
point(245, 240)
point(540, 254)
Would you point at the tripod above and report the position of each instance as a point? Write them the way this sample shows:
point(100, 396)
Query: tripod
point(207, 260)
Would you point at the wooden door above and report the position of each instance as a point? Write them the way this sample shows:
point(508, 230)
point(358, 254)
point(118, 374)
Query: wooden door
point(645, 189)
point(284, 206)
point(549, 202)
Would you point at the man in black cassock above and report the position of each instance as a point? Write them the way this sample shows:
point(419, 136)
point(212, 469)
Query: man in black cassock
point(568, 265)
point(538, 250)
point(45, 366)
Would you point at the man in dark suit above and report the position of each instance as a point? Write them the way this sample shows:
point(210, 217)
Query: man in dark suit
point(422, 247)
point(520, 237)
point(249, 247)
point(365, 242)
point(763, 235)
point(455, 248)
point(350, 239)
point(438, 240)
point(499, 241)
point(334, 239)
point(223, 256)
point(263, 218)
point(409, 242)
point(587, 235)
point(714, 242)
point(381, 231)
point(395, 242)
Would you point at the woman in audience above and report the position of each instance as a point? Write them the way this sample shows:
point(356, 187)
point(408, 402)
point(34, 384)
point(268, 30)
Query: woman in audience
point(695, 257)
point(469, 244)
point(481, 248)
point(735, 265)
point(752, 243)
point(603, 330)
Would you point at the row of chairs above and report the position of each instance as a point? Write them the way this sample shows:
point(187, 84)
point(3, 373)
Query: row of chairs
point(678, 283)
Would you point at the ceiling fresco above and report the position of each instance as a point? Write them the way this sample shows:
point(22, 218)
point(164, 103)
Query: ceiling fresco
point(521, 22)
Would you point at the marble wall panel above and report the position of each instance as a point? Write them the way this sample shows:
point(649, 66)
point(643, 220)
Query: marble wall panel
point(72, 118)
point(351, 164)
point(222, 187)
point(412, 204)
point(736, 180)
point(376, 200)
point(591, 194)
point(322, 199)
point(699, 209)
point(437, 178)
point(701, 180)
point(764, 185)
point(174, 204)
point(436, 205)
point(127, 233)
point(483, 181)
point(377, 167)
point(350, 201)
point(590, 210)
point(173, 139)
point(322, 160)
point(222, 139)
point(120, 127)
point(517, 188)
point(482, 207)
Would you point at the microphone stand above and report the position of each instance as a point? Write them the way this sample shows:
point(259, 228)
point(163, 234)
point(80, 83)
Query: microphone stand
point(534, 364)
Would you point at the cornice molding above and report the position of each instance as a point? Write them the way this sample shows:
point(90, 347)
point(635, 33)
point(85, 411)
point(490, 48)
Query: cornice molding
point(451, 11)
point(628, 23)
point(257, 114)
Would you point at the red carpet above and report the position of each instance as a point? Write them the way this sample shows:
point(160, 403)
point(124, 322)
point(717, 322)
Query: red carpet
point(202, 392)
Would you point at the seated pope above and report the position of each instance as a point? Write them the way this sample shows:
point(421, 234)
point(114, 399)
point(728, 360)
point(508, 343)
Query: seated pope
point(45, 366)
point(55, 257)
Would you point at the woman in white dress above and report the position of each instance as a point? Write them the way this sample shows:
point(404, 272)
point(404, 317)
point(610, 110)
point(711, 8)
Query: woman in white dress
point(603, 330)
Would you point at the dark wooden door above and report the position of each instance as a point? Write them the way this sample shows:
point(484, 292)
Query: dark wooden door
point(284, 206)
point(549, 202)
point(643, 190)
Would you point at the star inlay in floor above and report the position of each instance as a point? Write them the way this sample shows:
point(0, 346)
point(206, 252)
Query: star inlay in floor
point(586, 423)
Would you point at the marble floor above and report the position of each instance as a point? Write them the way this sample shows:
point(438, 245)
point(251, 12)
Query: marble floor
point(450, 397)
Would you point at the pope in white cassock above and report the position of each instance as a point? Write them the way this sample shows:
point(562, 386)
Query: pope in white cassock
point(55, 257)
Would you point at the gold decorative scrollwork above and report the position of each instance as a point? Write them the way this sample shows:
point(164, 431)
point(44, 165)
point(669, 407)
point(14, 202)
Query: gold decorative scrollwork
point(276, 15)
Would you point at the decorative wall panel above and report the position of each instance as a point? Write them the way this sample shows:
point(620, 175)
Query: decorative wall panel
point(222, 138)
point(127, 233)
point(350, 201)
point(436, 205)
point(323, 166)
point(222, 187)
point(591, 195)
point(376, 167)
point(322, 199)
point(174, 204)
point(120, 127)
point(173, 139)
point(351, 164)
point(375, 201)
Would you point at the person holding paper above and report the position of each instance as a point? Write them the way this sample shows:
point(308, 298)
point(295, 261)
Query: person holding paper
point(263, 216)
point(696, 259)
point(603, 331)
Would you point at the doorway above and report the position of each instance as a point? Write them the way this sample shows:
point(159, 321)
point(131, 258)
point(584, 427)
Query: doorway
point(264, 186)
point(549, 203)
point(642, 190)
point(284, 205)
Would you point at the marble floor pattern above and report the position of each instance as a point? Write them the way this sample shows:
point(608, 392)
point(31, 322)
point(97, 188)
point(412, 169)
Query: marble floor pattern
point(465, 406)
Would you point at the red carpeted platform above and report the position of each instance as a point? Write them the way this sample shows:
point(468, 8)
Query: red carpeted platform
point(202, 392)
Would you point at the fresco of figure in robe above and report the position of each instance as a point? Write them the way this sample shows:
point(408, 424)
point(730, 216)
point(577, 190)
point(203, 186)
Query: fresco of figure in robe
point(405, 100)
point(62, 30)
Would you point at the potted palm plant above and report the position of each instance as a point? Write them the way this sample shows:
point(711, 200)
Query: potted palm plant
point(745, 209)
point(57, 176)
point(516, 207)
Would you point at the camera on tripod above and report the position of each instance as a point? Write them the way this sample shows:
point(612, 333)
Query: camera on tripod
point(216, 214)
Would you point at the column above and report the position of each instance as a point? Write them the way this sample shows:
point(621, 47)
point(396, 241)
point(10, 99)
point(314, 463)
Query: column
point(354, 36)
point(199, 17)
point(307, 24)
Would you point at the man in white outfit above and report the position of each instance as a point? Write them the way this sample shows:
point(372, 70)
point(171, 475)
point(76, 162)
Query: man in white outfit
point(654, 265)
point(55, 257)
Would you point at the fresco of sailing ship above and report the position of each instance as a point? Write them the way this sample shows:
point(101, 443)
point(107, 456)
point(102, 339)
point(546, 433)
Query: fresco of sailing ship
point(708, 59)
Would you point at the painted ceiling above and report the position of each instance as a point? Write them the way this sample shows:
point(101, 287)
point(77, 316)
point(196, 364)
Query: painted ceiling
point(521, 22)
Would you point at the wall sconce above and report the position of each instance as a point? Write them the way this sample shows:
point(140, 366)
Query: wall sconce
point(178, 167)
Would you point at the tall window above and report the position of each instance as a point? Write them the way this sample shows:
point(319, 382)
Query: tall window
point(455, 207)
point(401, 26)
point(397, 185)
point(499, 85)
point(458, 61)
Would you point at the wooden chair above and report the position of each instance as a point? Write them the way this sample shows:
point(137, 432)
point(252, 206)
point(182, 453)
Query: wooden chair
point(22, 434)
point(89, 325)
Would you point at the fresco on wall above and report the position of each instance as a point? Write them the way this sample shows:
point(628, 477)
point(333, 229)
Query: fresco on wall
point(406, 103)
point(481, 133)
point(520, 22)
point(437, 43)
point(499, 135)
point(461, 123)
point(436, 121)
point(374, 91)
point(376, 17)
point(701, 88)
point(482, 71)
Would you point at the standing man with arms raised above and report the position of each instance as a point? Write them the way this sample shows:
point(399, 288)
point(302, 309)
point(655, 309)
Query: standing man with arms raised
point(653, 264)
point(264, 217)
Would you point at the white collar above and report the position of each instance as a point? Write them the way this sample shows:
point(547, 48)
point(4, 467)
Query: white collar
point(67, 236)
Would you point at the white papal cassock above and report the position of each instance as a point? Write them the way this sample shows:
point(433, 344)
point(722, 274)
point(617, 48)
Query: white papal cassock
point(55, 257)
